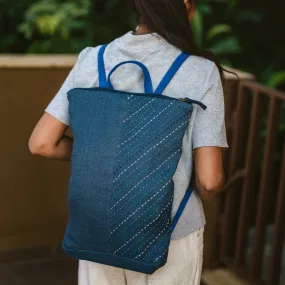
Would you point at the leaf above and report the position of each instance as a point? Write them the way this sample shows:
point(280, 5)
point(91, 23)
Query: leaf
point(277, 79)
point(48, 25)
point(197, 27)
point(218, 30)
point(204, 8)
point(26, 30)
point(226, 46)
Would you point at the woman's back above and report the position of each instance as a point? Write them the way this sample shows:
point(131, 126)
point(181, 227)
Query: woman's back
point(164, 32)
point(198, 79)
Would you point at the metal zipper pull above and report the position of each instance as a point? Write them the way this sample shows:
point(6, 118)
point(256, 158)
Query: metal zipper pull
point(190, 101)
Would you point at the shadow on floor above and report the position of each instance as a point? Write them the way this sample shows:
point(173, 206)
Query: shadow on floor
point(50, 271)
point(56, 270)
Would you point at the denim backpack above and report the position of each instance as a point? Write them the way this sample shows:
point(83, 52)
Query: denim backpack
point(126, 150)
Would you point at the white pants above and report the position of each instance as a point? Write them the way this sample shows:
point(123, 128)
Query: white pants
point(183, 267)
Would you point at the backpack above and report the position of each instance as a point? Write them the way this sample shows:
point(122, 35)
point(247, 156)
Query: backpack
point(126, 150)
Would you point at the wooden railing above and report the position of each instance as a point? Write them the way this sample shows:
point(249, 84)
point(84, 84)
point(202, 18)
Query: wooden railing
point(252, 210)
point(34, 211)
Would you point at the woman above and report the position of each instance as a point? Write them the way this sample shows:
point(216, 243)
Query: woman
point(164, 31)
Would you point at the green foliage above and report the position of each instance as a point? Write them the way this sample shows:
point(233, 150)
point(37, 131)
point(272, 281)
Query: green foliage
point(218, 30)
point(11, 16)
point(241, 37)
point(276, 79)
point(56, 25)
point(218, 38)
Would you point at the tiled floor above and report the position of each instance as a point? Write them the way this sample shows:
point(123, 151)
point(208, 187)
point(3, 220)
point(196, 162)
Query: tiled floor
point(39, 272)
point(57, 270)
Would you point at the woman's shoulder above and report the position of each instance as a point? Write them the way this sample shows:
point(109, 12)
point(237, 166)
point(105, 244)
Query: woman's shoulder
point(88, 53)
point(202, 64)
point(200, 72)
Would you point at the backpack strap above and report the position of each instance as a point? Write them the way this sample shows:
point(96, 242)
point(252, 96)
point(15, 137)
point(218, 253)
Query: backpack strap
point(101, 67)
point(171, 72)
point(182, 205)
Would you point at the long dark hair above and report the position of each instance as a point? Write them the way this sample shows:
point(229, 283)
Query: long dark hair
point(169, 19)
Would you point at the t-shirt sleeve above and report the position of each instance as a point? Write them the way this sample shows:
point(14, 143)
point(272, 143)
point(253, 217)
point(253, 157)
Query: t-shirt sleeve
point(58, 107)
point(209, 125)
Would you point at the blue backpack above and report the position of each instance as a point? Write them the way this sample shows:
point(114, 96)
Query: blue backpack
point(126, 150)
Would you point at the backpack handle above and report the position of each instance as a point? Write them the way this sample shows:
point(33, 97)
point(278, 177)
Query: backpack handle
point(148, 88)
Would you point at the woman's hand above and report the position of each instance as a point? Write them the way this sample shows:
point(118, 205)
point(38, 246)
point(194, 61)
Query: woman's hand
point(209, 171)
point(48, 139)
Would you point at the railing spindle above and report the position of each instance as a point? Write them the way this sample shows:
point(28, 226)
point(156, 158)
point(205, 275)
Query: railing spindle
point(279, 229)
point(264, 194)
point(236, 159)
point(248, 186)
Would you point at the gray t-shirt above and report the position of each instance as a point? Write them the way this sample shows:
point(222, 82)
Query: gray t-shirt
point(197, 79)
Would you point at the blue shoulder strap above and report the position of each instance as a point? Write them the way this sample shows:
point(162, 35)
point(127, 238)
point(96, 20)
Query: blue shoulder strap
point(171, 72)
point(182, 206)
point(101, 68)
point(163, 84)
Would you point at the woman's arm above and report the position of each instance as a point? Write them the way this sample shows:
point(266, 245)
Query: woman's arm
point(48, 139)
point(209, 171)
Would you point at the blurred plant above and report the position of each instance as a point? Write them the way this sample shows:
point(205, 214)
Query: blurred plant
point(11, 15)
point(274, 79)
point(57, 26)
point(220, 38)
point(242, 34)
point(241, 39)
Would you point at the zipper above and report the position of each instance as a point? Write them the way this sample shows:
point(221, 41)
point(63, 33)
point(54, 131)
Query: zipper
point(190, 101)
point(185, 100)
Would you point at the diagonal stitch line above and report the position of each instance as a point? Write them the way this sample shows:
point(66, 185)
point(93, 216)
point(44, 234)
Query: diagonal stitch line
point(135, 104)
point(161, 255)
point(144, 228)
point(118, 192)
point(130, 201)
point(153, 240)
point(139, 110)
point(136, 193)
point(134, 135)
point(141, 122)
point(154, 247)
point(125, 178)
point(139, 215)
point(136, 169)
point(148, 132)
point(119, 188)
point(138, 142)
point(161, 223)
point(142, 181)
point(132, 249)
point(145, 144)
point(132, 107)
point(174, 140)
point(140, 207)
point(139, 240)
point(145, 213)
point(150, 150)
